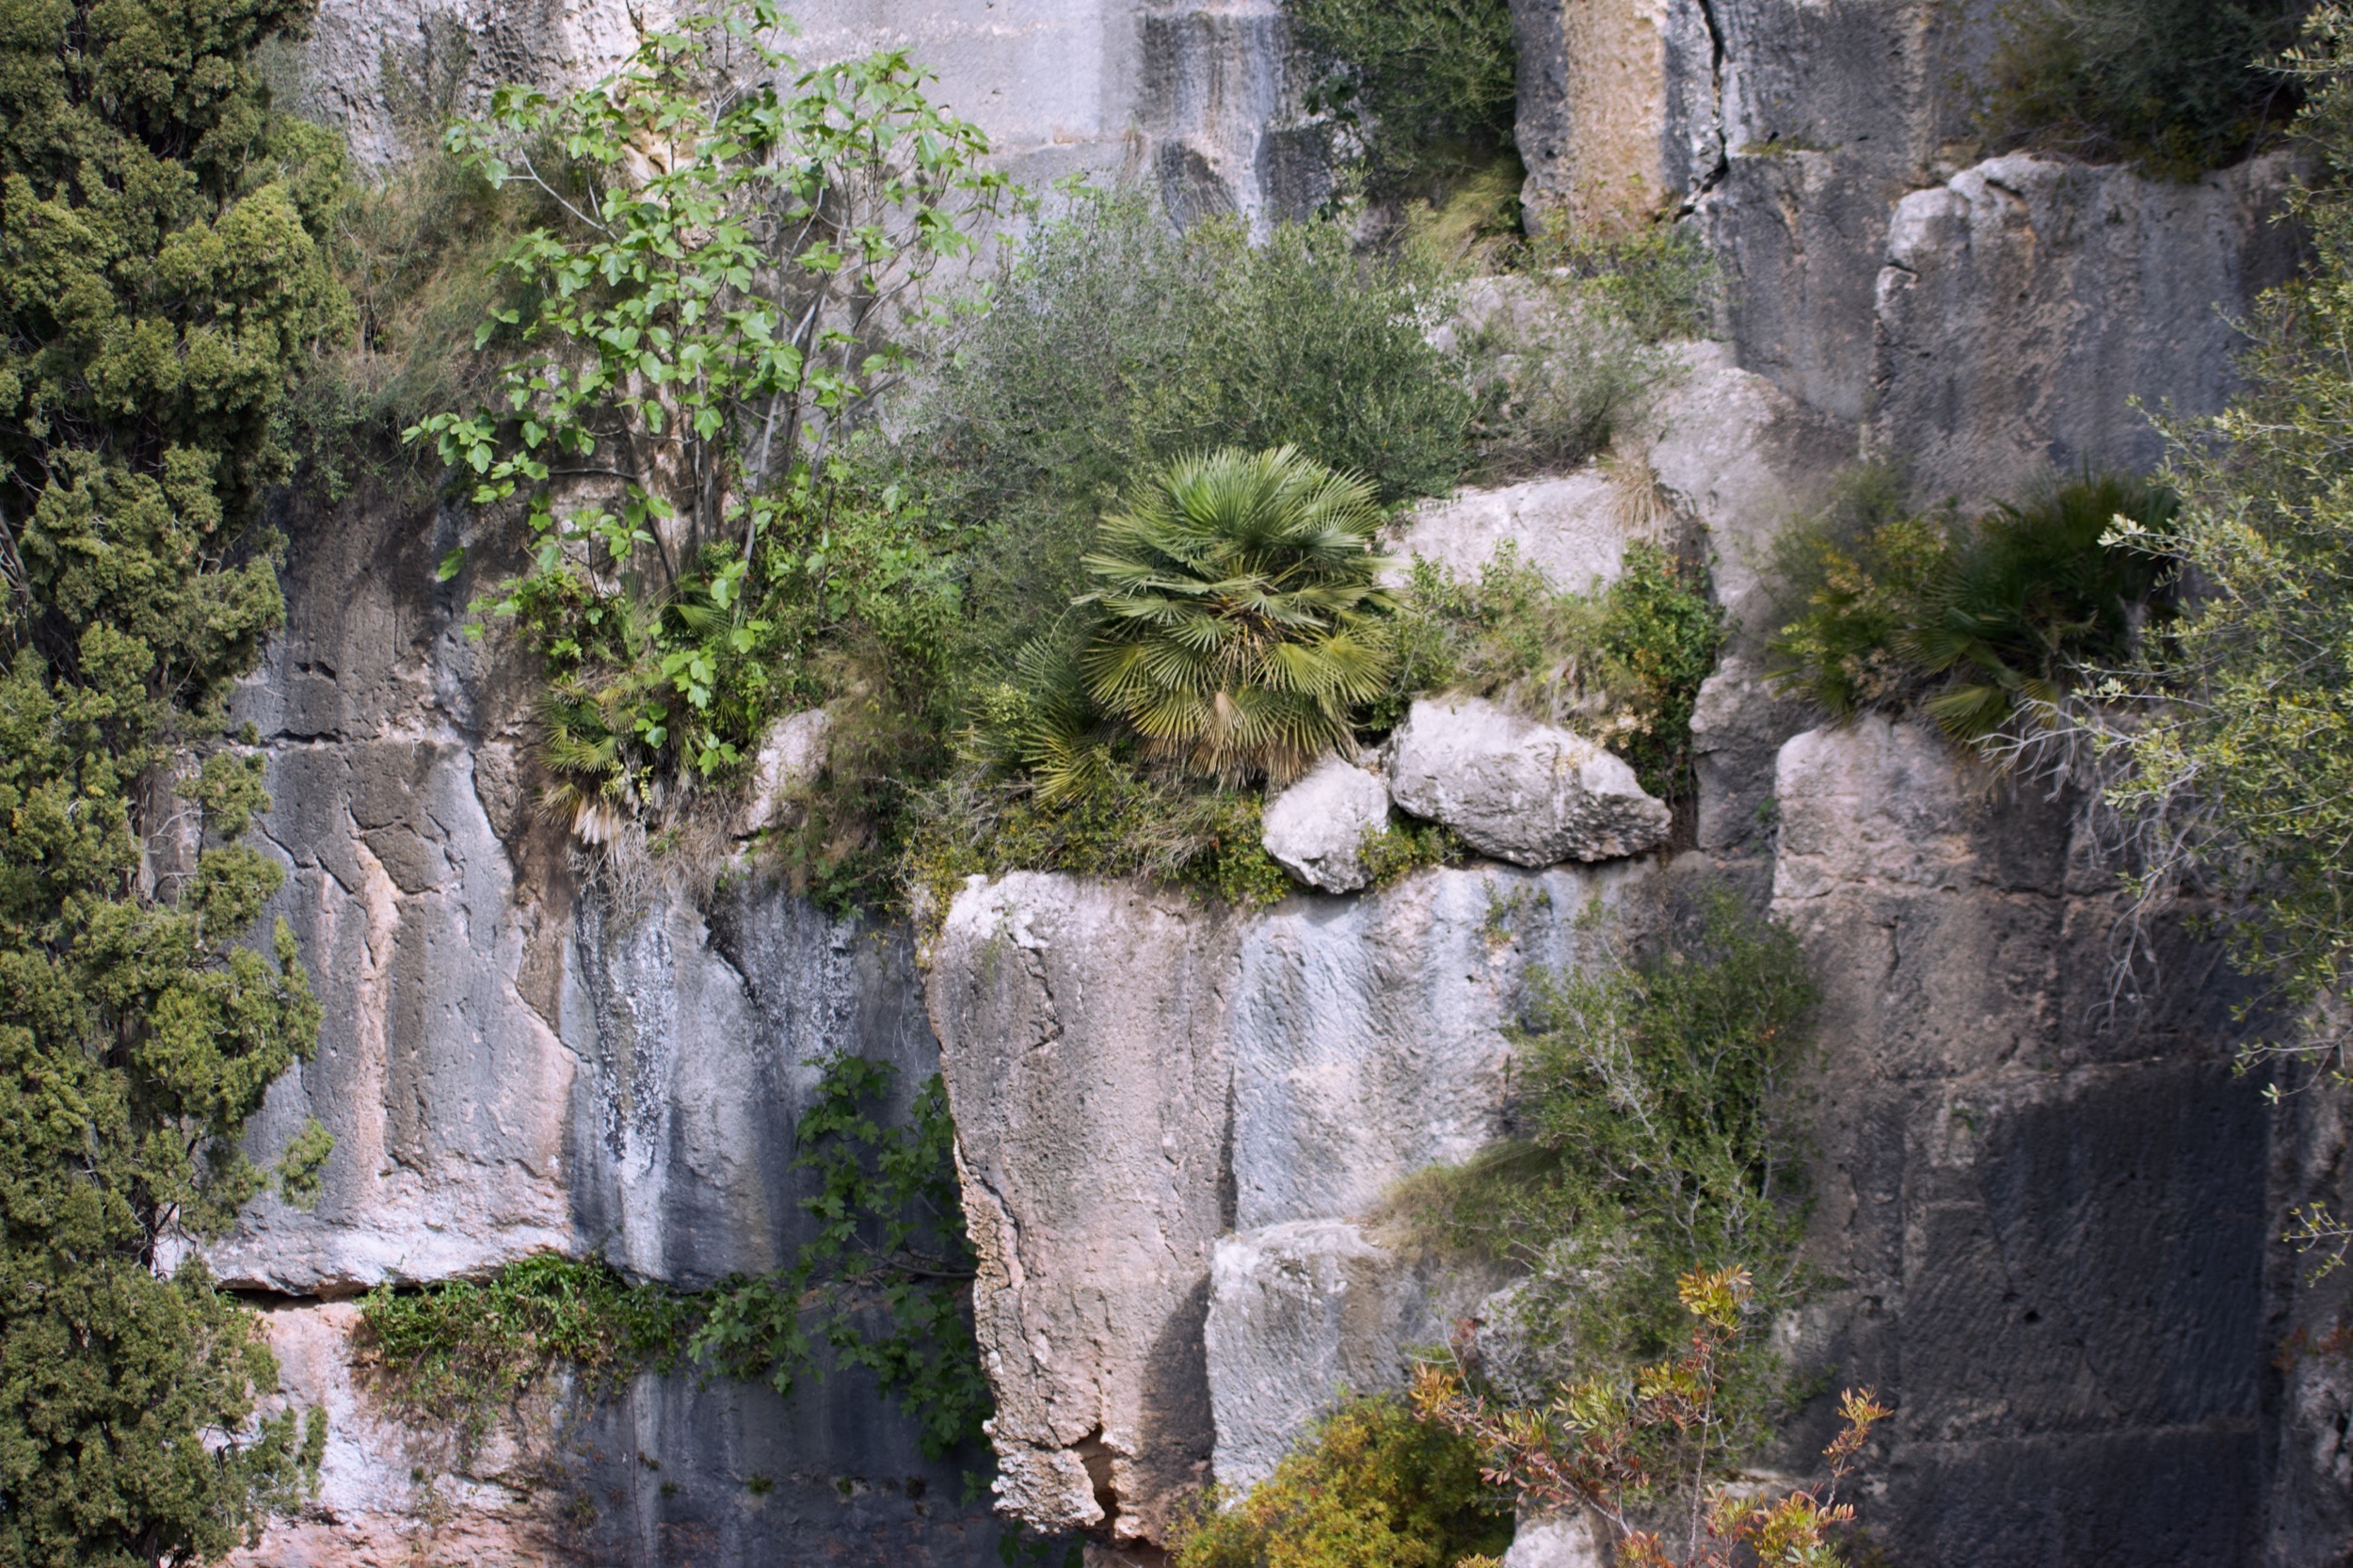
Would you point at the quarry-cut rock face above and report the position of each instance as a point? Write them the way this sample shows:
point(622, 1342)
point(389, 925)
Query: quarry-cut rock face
point(2026, 302)
point(1135, 1076)
point(2045, 1203)
point(1524, 791)
point(1316, 827)
point(1194, 98)
point(1298, 1311)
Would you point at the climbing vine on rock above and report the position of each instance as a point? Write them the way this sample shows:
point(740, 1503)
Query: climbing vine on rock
point(164, 283)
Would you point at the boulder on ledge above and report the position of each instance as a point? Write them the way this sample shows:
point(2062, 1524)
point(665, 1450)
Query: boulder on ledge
point(1527, 792)
point(1316, 827)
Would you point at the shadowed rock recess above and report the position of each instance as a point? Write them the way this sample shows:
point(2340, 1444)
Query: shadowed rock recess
point(2041, 1210)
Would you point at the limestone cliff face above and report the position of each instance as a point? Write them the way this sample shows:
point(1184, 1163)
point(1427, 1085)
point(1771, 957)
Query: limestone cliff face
point(2042, 1211)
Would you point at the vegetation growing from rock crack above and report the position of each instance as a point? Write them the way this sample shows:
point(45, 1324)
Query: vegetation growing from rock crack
point(1419, 90)
point(1978, 623)
point(166, 278)
point(1657, 1137)
point(880, 1286)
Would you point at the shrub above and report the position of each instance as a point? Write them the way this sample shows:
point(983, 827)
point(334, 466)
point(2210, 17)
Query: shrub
point(2177, 87)
point(1622, 666)
point(1422, 89)
point(1369, 1486)
point(2240, 772)
point(881, 1285)
point(1653, 1141)
point(1238, 614)
point(1625, 1446)
point(1112, 345)
point(1980, 623)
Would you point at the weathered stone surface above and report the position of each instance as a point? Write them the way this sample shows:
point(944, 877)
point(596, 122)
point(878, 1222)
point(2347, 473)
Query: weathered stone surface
point(1742, 458)
point(2028, 303)
point(1300, 1313)
point(1195, 97)
point(1616, 109)
point(1528, 792)
point(1082, 1031)
point(1557, 1540)
point(1368, 1035)
point(1574, 529)
point(790, 757)
point(1135, 1076)
point(1316, 827)
point(2044, 1213)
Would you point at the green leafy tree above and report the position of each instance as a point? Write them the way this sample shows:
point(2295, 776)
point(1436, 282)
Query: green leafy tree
point(1241, 613)
point(164, 283)
point(744, 246)
point(1423, 88)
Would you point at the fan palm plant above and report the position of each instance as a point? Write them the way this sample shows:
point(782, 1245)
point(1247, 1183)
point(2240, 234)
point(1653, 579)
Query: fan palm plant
point(1241, 613)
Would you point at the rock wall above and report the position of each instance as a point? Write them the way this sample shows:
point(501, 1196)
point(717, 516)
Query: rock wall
point(2041, 1212)
point(1193, 96)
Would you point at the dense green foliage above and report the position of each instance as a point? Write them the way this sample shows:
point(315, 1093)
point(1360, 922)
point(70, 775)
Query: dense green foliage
point(2177, 87)
point(882, 1285)
point(1656, 1142)
point(2240, 765)
point(1369, 1486)
point(1977, 622)
point(1237, 615)
point(700, 318)
point(164, 280)
point(1622, 666)
point(1419, 89)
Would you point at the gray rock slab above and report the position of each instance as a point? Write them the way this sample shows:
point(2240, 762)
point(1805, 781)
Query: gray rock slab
point(1524, 791)
point(2029, 304)
point(1369, 1036)
point(1315, 828)
point(1303, 1312)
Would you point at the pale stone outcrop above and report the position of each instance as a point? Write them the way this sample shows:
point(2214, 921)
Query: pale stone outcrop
point(791, 757)
point(1083, 1032)
point(1316, 827)
point(1302, 1311)
point(1135, 1076)
point(1559, 1541)
point(1528, 792)
point(1574, 529)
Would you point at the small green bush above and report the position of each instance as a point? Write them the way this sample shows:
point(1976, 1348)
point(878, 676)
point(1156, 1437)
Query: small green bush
point(1654, 1142)
point(1978, 623)
point(1369, 1486)
point(1623, 667)
point(2176, 86)
point(1418, 89)
point(881, 1286)
point(1659, 278)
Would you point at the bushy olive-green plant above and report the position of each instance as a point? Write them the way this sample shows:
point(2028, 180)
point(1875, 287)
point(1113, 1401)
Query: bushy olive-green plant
point(882, 1285)
point(1622, 666)
point(1979, 622)
point(1238, 614)
point(1420, 90)
point(164, 280)
point(1368, 1486)
point(1657, 1139)
point(2177, 87)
